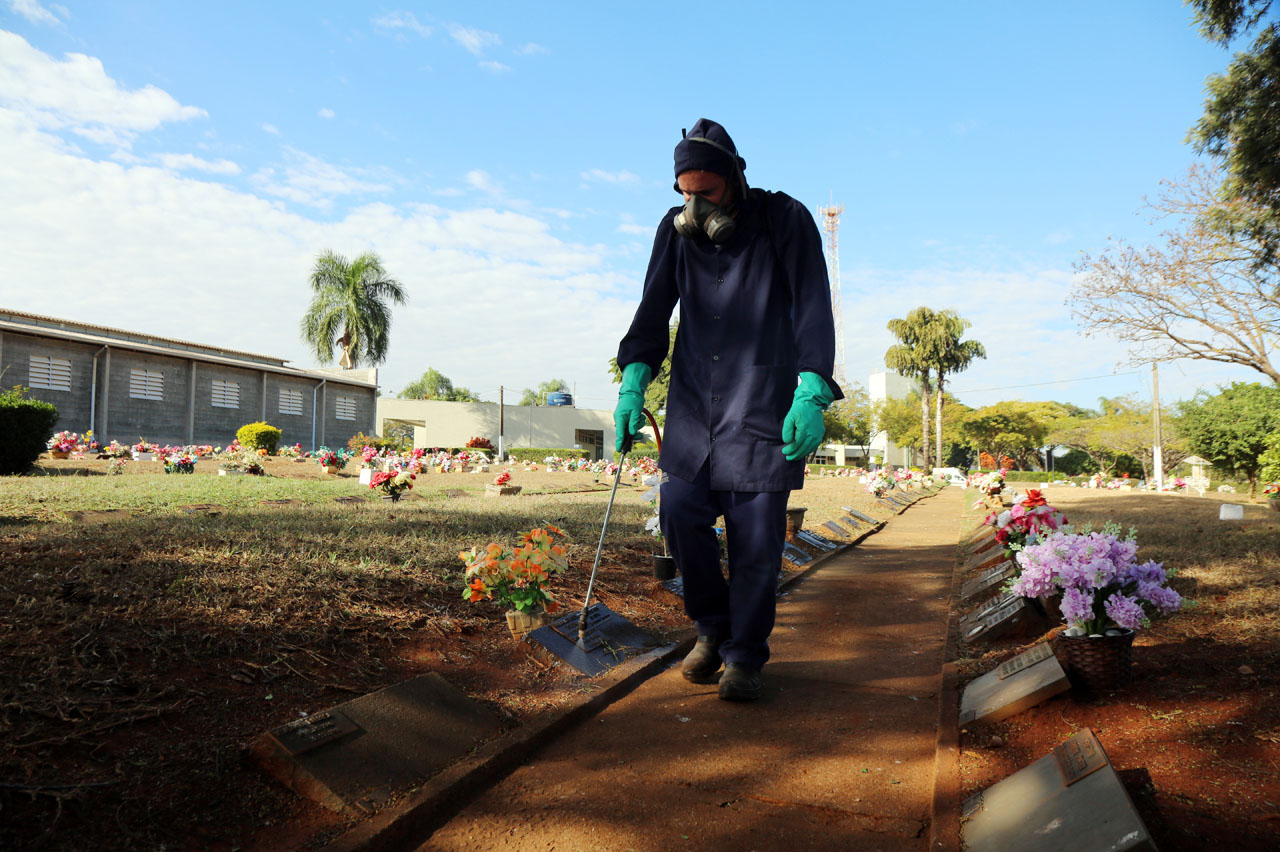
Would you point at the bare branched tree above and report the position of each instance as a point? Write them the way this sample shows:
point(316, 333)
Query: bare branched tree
point(1207, 293)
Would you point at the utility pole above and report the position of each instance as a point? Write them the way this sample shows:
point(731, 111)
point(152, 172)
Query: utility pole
point(1157, 459)
point(502, 449)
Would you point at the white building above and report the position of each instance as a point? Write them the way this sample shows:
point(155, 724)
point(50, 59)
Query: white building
point(885, 386)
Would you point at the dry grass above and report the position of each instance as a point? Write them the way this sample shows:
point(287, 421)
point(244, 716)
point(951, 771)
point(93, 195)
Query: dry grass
point(139, 654)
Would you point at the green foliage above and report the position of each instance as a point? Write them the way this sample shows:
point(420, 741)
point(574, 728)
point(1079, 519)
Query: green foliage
point(349, 308)
point(1118, 438)
point(537, 454)
point(359, 441)
point(1034, 476)
point(538, 395)
point(25, 428)
point(655, 396)
point(1232, 428)
point(900, 419)
point(1269, 461)
point(259, 436)
point(1014, 429)
point(848, 420)
point(1075, 463)
point(436, 385)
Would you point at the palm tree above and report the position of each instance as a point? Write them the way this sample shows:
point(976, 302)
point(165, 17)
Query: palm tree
point(909, 359)
point(949, 354)
point(349, 308)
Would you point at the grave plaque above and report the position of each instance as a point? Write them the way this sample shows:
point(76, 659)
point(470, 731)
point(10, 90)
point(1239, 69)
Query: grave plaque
point(889, 504)
point(1015, 616)
point(988, 579)
point(202, 509)
point(675, 586)
point(983, 545)
point(1036, 808)
point(900, 499)
point(795, 555)
point(851, 523)
point(986, 608)
point(98, 516)
point(280, 503)
point(348, 500)
point(864, 518)
point(983, 561)
point(1024, 681)
point(836, 529)
point(816, 541)
point(609, 640)
point(359, 754)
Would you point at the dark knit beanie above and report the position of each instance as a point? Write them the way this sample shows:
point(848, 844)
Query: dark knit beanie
point(694, 154)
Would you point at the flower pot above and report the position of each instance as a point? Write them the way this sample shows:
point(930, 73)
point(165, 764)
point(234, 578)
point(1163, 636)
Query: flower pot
point(330, 468)
point(664, 567)
point(394, 498)
point(230, 473)
point(795, 521)
point(492, 490)
point(520, 623)
point(1096, 664)
point(59, 454)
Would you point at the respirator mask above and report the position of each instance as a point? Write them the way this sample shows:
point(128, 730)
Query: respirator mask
point(702, 216)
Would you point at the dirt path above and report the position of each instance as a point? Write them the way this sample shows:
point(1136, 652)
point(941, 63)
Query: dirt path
point(837, 754)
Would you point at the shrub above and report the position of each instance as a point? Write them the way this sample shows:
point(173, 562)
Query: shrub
point(1034, 476)
point(537, 454)
point(259, 436)
point(360, 440)
point(480, 444)
point(25, 428)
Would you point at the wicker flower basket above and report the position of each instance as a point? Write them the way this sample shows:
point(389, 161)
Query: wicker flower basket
point(520, 623)
point(1096, 664)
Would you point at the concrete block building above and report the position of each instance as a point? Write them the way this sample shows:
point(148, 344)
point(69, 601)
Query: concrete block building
point(126, 385)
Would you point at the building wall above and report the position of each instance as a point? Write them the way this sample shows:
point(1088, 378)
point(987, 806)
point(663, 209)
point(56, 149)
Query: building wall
point(15, 363)
point(884, 386)
point(186, 413)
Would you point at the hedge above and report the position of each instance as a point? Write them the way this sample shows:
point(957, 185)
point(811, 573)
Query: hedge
point(537, 454)
point(25, 428)
point(259, 436)
point(1034, 476)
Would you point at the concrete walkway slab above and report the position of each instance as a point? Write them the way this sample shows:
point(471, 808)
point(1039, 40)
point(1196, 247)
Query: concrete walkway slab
point(837, 754)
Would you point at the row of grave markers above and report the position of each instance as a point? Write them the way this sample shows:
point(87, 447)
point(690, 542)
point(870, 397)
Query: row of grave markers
point(1071, 799)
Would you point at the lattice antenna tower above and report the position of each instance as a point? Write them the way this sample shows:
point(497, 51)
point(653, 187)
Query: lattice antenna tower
point(831, 224)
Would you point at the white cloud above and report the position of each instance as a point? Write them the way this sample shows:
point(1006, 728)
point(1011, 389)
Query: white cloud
point(483, 181)
point(400, 20)
point(495, 67)
point(184, 162)
point(309, 180)
point(474, 40)
point(90, 240)
point(272, 129)
point(37, 14)
point(621, 177)
point(634, 229)
point(77, 95)
point(325, 112)
point(531, 49)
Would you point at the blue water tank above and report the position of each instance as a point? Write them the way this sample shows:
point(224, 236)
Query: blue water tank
point(559, 398)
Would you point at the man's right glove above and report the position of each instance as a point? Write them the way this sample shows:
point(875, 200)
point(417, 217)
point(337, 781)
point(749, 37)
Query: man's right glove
point(628, 417)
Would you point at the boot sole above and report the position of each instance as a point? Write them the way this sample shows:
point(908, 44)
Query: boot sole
point(739, 695)
point(701, 678)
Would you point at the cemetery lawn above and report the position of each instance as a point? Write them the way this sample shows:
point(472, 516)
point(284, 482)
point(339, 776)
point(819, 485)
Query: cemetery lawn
point(1196, 736)
point(143, 645)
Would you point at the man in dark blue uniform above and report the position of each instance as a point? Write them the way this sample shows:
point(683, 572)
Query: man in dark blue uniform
point(750, 377)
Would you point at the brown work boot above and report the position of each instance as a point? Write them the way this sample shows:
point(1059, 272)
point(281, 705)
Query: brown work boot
point(739, 683)
point(703, 661)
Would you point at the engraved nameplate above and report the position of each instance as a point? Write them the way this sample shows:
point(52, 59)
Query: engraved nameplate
point(816, 540)
point(1025, 660)
point(313, 731)
point(835, 528)
point(1079, 757)
point(795, 555)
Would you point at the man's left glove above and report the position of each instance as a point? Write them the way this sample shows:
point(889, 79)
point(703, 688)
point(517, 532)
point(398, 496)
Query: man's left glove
point(628, 417)
point(802, 430)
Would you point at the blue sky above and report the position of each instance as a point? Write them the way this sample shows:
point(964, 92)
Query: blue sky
point(175, 168)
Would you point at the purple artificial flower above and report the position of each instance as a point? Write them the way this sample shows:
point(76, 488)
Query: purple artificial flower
point(1077, 607)
point(1148, 572)
point(1163, 598)
point(1125, 611)
point(1037, 577)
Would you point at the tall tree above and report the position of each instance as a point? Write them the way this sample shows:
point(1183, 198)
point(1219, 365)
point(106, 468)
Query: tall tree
point(349, 307)
point(1239, 123)
point(909, 359)
point(949, 354)
point(899, 419)
point(435, 385)
point(1206, 294)
point(655, 396)
point(1230, 428)
point(1014, 429)
point(848, 420)
point(538, 395)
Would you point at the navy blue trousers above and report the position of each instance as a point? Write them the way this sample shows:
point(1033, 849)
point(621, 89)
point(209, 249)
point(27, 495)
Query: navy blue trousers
point(739, 611)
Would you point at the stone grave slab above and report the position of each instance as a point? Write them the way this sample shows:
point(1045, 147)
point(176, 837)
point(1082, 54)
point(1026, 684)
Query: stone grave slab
point(1024, 681)
point(675, 586)
point(280, 504)
point(357, 755)
point(836, 529)
point(984, 609)
point(349, 500)
point(866, 519)
point(987, 580)
point(888, 504)
point(852, 523)
point(815, 540)
point(900, 499)
point(983, 561)
point(983, 545)
point(795, 555)
point(1017, 616)
point(99, 516)
point(1066, 801)
point(609, 640)
point(202, 509)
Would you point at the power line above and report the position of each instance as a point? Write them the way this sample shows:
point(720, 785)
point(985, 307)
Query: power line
point(1039, 384)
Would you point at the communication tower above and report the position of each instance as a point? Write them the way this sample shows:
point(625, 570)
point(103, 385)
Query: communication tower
point(831, 224)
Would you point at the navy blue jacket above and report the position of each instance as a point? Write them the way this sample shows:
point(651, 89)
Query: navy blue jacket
point(755, 312)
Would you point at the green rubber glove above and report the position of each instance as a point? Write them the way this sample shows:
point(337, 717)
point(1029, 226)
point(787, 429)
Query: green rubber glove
point(627, 417)
point(802, 430)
